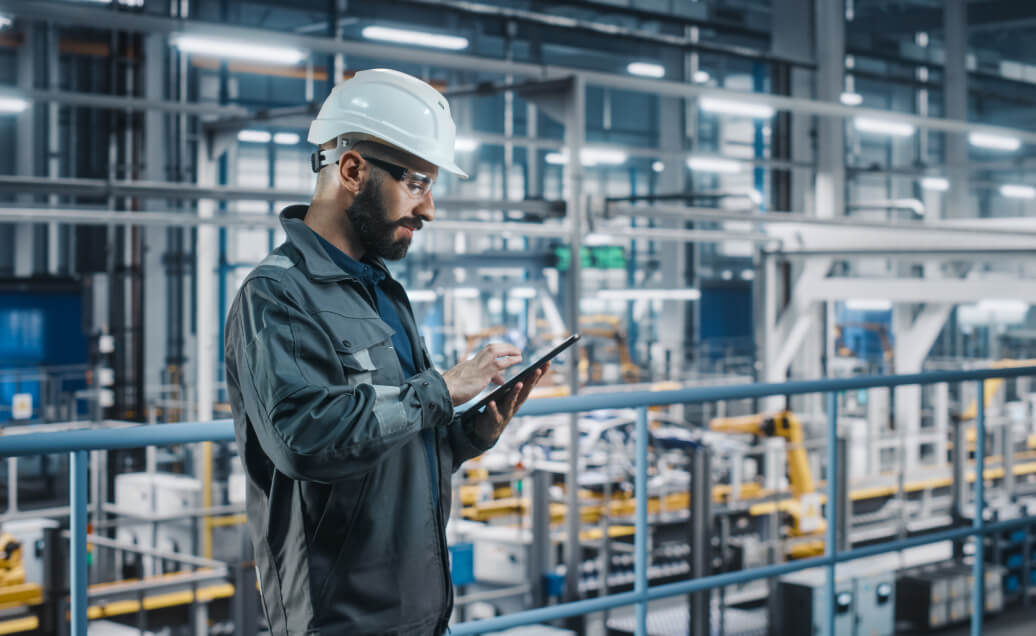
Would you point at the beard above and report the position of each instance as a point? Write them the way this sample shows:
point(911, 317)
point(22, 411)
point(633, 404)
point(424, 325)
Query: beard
point(369, 218)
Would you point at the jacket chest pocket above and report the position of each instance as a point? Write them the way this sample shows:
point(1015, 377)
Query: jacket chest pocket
point(364, 349)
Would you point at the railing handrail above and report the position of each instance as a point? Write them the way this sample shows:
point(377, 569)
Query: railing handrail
point(223, 430)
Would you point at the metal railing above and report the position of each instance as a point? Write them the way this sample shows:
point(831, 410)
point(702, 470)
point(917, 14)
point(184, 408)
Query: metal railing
point(79, 443)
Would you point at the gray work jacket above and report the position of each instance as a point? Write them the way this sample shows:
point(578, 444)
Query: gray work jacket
point(341, 495)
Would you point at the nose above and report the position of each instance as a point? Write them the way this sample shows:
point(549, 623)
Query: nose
point(425, 208)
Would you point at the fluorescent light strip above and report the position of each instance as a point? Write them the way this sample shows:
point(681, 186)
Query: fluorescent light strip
point(646, 69)
point(883, 127)
point(5, 21)
point(465, 144)
point(13, 104)
point(994, 142)
point(422, 295)
point(700, 77)
point(286, 138)
point(238, 50)
point(714, 164)
point(868, 304)
point(418, 38)
point(600, 156)
point(648, 294)
point(254, 136)
point(937, 184)
point(851, 99)
point(733, 107)
point(466, 292)
point(1014, 191)
point(658, 166)
point(523, 292)
point(590, 157)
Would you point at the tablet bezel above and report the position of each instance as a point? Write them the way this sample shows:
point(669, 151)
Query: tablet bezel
point(505, 388)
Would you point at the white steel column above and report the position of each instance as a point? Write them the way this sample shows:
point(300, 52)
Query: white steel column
point(205, 289)
point(155, 150)
point(26, 142)
point(672, 325)
point(955, 97)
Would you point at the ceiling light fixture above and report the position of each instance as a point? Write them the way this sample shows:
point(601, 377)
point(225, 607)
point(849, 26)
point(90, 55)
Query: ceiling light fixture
point(868, 304)
point(851, 99)
point(254, 136)
point(465, 144)
point(994, 142)
point(714, 164)
point(422, 295)
point(883, 127)
point(646, 69)
point(419, 38)
point(286, 138)
point(239, 50)
point(649, 294)
point(937, 184)
point(523, 292)
point(1014, 191)
point(13, 104)
point(734, 107)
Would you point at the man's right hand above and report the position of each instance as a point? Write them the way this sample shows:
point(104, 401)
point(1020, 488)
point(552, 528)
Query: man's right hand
point(469, 378)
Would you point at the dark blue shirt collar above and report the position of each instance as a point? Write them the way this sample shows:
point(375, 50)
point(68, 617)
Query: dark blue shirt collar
point(367, 274)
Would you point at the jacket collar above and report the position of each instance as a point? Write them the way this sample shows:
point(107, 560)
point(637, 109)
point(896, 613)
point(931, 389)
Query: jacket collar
point(318, 264)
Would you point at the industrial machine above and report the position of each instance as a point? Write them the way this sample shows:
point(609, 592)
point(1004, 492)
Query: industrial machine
point(804, 509)
point(864, 604)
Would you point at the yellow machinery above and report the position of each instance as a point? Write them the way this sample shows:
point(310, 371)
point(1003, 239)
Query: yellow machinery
point(804, 508)
point(12, 570)
point(991, 388)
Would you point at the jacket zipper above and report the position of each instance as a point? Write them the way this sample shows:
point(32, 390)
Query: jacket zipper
point(440, 531)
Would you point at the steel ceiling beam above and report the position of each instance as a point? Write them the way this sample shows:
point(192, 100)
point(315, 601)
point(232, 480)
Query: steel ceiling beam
point(75, 15)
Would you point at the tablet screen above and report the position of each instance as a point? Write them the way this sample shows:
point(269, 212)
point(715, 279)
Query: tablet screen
point(502, 390)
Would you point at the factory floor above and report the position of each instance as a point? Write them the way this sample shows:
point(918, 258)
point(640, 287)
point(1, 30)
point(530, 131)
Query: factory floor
point(1014, 622)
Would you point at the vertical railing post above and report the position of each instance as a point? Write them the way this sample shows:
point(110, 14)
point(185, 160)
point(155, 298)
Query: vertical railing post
point(978, 596)
point(640, 540)
point(77, 472)
point(831, 506)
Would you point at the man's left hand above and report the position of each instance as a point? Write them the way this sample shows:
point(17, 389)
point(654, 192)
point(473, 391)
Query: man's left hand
point(489, 424)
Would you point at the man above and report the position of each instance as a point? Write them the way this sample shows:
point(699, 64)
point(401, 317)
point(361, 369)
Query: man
point(347, 434)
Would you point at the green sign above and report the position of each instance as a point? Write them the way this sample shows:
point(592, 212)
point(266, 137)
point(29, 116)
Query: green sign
point(595, 257)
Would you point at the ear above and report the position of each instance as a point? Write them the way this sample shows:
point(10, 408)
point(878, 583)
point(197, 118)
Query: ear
point(352, 171)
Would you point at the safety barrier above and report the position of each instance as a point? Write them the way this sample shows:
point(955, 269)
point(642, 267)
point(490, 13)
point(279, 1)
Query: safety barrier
point(79, 443)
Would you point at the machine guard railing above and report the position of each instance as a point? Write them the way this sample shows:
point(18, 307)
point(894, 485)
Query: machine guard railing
point(79, 443)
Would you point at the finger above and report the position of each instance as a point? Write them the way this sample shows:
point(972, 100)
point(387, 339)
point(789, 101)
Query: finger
point(529, 386)
point(504, 362)
point(503, 349)
point(513, 400)
point(498, 379)
point(493, 412)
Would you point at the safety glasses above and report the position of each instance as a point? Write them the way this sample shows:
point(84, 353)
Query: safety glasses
point(417, 184)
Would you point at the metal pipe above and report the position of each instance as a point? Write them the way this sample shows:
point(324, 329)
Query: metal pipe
point(831, 507)
point(978, 594)
point(718, 580)
point(187, 559)
point(67, 14)
point(774, 217)
point(136, 586)
point(222, 430)
point(78, 466)
point(640, 538)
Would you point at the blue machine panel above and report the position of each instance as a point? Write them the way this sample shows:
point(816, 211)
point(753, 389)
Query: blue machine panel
point(40, 326)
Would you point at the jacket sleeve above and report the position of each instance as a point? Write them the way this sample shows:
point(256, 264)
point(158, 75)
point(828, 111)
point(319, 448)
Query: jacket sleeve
point(312, 424)
point(464, 442)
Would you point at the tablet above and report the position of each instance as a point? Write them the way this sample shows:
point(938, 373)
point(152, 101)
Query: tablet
point(502, 390)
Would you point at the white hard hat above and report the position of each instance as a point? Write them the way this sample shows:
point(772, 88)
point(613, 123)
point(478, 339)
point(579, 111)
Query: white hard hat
point(390, 107)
